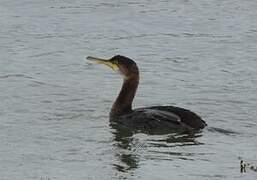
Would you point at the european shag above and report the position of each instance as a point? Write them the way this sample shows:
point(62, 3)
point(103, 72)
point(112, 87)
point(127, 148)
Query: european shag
point(147, 118)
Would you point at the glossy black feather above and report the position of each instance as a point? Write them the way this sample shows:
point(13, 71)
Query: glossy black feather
point(160, 118)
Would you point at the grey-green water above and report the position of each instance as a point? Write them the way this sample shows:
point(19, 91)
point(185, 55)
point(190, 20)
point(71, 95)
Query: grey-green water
point(199, 55)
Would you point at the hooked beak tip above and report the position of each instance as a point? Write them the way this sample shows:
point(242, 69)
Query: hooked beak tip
point(90, 58)
point(103, 61)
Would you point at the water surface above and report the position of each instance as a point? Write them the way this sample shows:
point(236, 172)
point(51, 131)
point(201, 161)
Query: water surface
point(54, 108)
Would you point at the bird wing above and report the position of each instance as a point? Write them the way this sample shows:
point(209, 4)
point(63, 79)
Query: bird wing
point(155, 118)
point(186, 116)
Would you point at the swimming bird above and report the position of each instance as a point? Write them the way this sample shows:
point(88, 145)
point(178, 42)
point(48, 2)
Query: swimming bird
point(146, 118)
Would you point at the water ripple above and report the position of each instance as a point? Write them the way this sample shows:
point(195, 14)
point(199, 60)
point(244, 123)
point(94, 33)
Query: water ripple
point(15, 75)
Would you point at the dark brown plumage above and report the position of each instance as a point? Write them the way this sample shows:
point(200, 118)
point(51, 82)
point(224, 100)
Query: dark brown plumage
point(148, 118)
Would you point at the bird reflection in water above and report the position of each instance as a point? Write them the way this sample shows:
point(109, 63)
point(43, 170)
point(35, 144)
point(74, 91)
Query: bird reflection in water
point(129, 150)
point(128, 159)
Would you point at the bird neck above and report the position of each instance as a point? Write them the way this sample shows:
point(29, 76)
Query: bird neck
point(123, 103)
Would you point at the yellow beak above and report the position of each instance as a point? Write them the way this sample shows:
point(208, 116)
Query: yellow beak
point(106, 62)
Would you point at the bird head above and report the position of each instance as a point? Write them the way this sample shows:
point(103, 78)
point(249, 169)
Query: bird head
point(125, 66)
